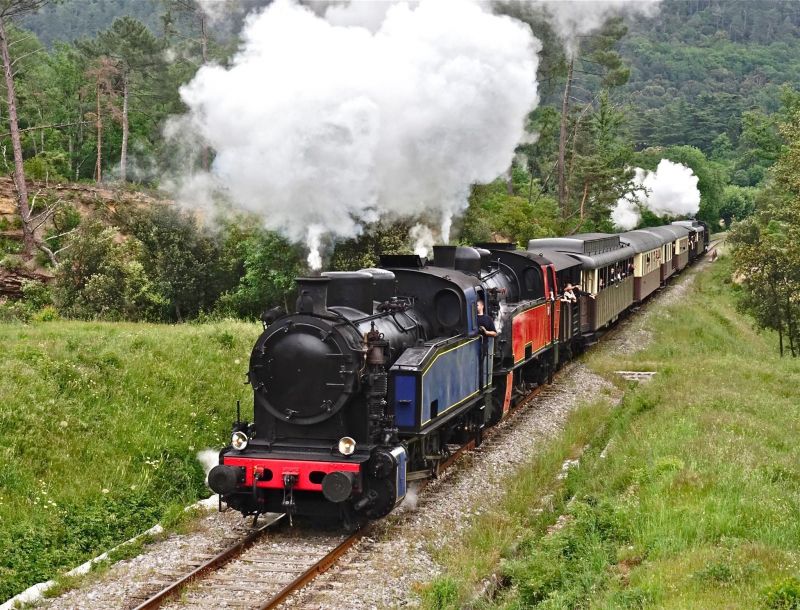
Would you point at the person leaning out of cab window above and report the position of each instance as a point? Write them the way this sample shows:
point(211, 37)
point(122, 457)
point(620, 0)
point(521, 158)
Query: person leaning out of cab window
point(572, 292)
point(485, 322)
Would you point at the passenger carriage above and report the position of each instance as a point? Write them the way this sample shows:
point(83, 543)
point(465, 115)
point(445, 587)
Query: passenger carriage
point(697, 237)
point(667, 238)
point(606, 271)
point(649, 252)
point(680, 251)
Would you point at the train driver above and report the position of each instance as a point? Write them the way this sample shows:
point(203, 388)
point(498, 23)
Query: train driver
point(485, 322)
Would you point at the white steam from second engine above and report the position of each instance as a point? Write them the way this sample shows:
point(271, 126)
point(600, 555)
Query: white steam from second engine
point(671, 190)
point(321, 128)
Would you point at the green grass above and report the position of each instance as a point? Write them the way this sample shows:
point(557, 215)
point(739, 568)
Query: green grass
point(696, 503)
point(100, 425)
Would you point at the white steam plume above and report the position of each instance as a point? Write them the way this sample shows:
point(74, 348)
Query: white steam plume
point(626, 214)
point(572, 19)
point(423, 239)
point(671, 190)
point(323, 128)
point(208, 458)
point(214, 9)
point(368, 15)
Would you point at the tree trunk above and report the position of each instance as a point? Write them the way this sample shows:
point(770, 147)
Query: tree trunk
point(777, 304)
point(78, 145)
point(123, 158)
point(790, 326)
point(203, 37)
point(583, 200)
point(98, 166)
point(28, 239)
point(562, 143)
point(204, 152)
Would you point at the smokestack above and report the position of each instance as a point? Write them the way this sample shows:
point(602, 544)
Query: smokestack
point(312, 295)
point(444, 256)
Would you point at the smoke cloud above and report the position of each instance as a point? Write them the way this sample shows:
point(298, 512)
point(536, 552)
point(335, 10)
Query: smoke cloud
point(208, 458)
point(423, 239)
point(214, 9)
point(368, 15)
point(321, 128)
point(671, 190)
point(572, 19)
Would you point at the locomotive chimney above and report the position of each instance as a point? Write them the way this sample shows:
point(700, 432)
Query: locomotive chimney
point(444, 256)
point(312, 295)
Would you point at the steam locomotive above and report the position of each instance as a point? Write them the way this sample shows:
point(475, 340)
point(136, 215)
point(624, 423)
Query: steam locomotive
point(363, 387)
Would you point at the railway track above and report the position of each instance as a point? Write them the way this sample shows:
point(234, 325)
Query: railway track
point(256, 572)
point(262, 568)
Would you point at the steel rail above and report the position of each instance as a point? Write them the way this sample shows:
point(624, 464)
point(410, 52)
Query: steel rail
point(315, 570)
point(216, 562)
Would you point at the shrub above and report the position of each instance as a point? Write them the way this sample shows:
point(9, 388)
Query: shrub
point(783, 595)
point(103, 278)
point(37, 295)
point(47, 166)
point(12, 262)
point(441, 594)
point(46, 314)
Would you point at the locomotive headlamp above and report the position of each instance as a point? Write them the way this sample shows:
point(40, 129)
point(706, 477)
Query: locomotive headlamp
point(239, 440)
point(347, 445)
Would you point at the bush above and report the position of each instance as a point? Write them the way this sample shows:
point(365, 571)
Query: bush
point(103, 279)
point(47, 166)
point(13, 311)
point(46, 314)
point(784, 595)
point(441, 594)
point(37, 295)
point(12, 262)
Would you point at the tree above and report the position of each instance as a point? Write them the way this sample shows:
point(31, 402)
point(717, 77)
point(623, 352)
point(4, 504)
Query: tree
point(184, 259)
point(767, 247)
point(102, 74)
point(495, 215)
point(738, 203)
point(270, 264)
point(600, 165)
point(134, 52)
point(10, 10)
point(599, 60)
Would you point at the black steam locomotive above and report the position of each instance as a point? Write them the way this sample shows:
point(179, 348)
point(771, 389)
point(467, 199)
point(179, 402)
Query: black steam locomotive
point(362, 389)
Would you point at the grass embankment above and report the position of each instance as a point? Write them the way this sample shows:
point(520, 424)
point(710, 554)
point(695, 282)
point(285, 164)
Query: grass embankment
point(100, 425)
point(695, 502)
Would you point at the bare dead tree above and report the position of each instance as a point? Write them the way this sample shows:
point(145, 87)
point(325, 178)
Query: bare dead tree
point(562, 143)
point(9, 10)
